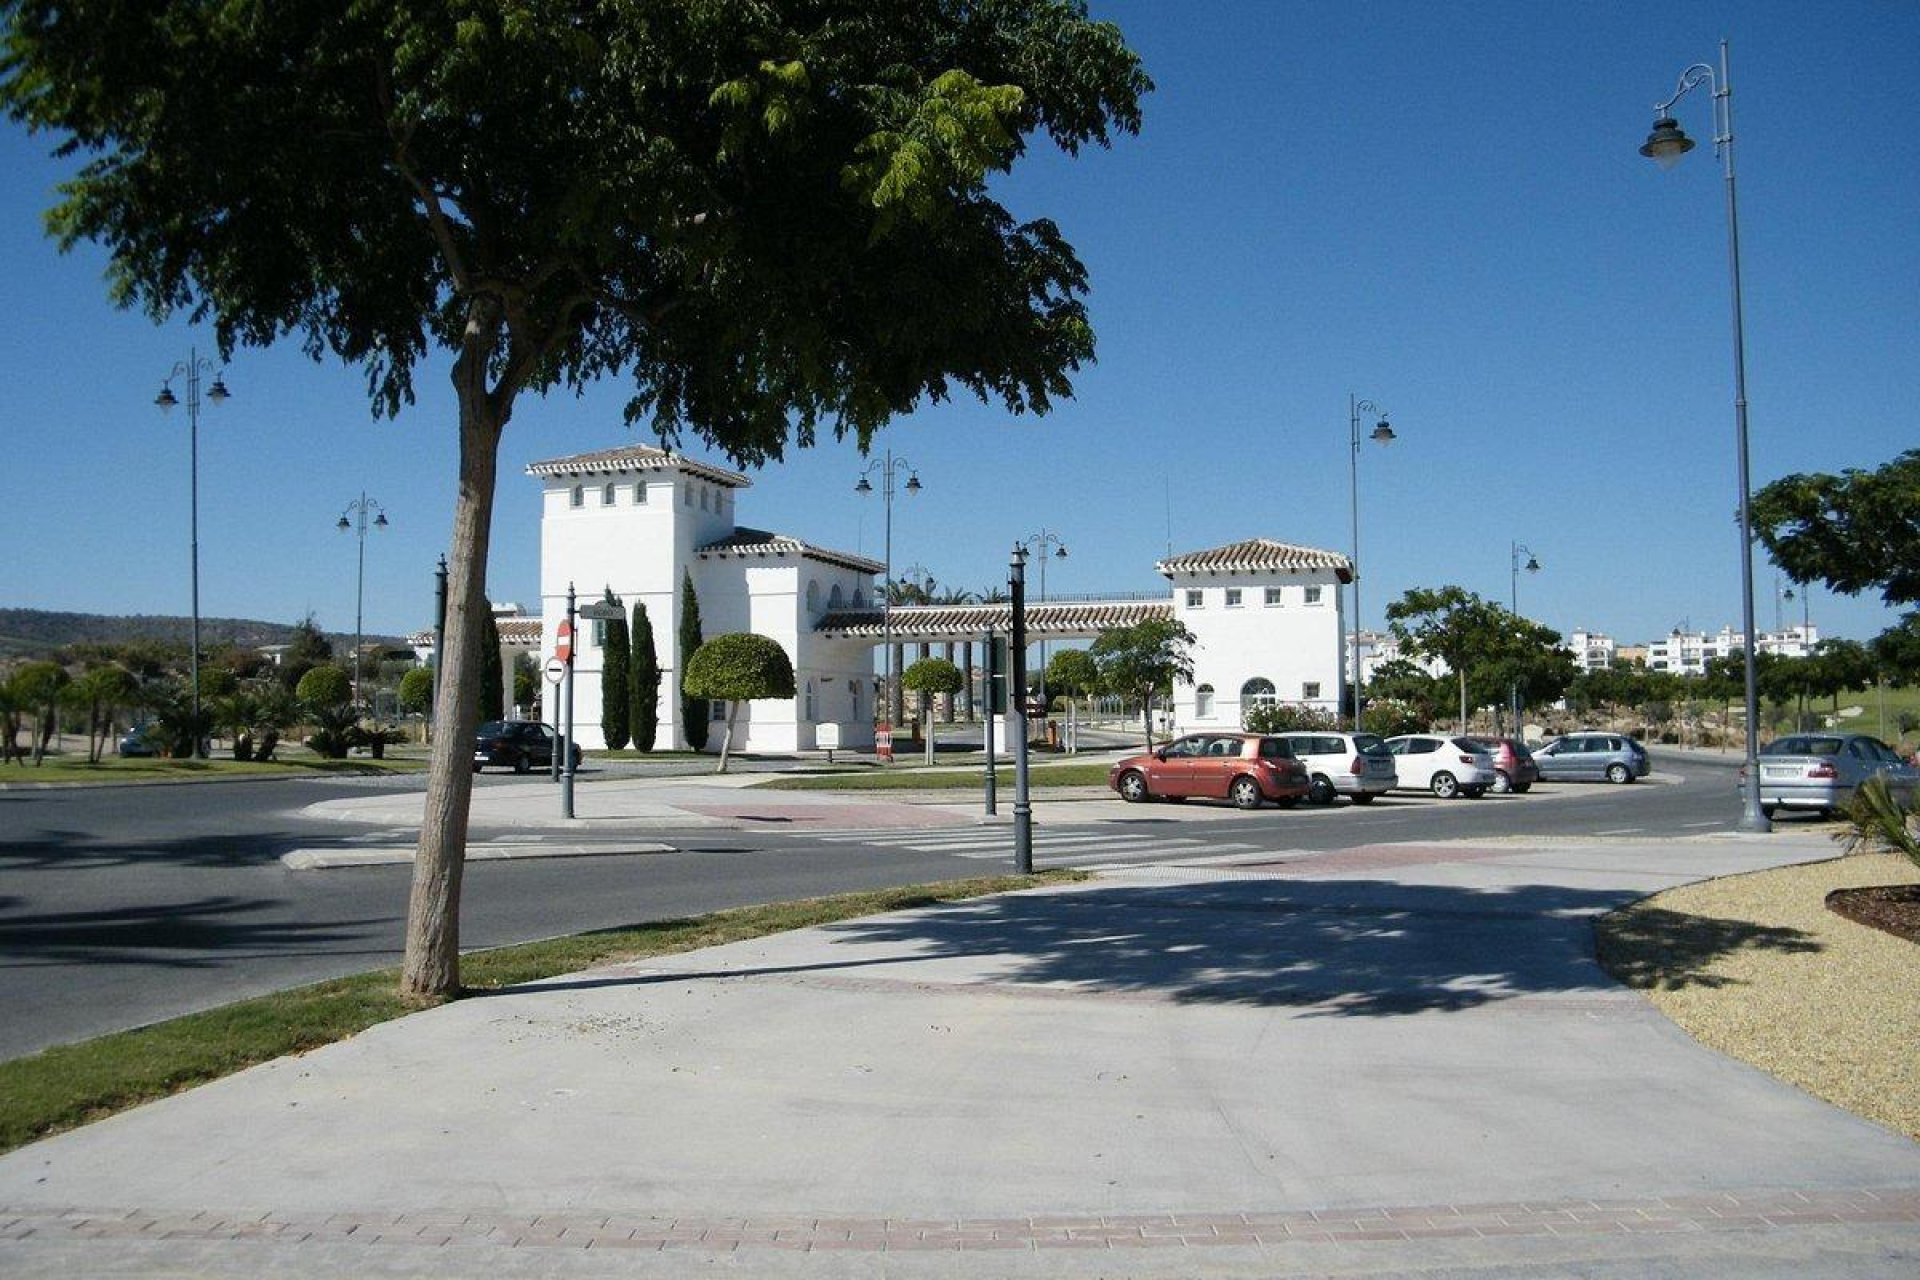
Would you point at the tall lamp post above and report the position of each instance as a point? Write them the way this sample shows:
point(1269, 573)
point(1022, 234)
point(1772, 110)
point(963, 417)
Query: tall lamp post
point(1382, 433)
point(1665, 145)
point(192, 367)
point(358, 509)
point(889, 469)
point(1513, 592)
point(1038, 544)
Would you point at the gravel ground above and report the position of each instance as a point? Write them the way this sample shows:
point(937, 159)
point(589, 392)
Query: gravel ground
point(1757, 967)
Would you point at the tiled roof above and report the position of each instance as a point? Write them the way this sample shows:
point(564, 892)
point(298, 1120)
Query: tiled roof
point(758, 542)
point(1258, 555)
point(636, 457)
point(525, 632)
point(916, 622)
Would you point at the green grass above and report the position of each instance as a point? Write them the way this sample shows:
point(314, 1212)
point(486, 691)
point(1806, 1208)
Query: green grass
point(75, 769)
point(900, 778)
point(71, 1085)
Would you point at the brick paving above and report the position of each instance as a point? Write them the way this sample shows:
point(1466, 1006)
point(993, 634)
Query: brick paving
point(1751, 1211)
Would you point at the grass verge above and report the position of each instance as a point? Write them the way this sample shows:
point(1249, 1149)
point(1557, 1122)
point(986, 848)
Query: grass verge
point(72, 1085)
point(937, 779)
point(115, 769)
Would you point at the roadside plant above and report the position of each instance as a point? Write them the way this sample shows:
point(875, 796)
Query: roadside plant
point(644, 681)
point(416, 691)
point(616, 674)
point(1274, 717)
point(928, 677)
point(738, 667)
point(1878, 823)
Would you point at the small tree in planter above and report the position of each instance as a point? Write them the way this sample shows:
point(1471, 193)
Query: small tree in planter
point(928, 677)
point(738, 667)
point(326, 694)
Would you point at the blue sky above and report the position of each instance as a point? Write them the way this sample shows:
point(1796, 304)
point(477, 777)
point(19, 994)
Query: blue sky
point(1438, 208)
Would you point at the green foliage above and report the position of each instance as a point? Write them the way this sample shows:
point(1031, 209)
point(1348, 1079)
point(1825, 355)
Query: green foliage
point(1489, 649)
point(1408, 685)
point(932, 676)
point(527, 687)
point(739, 667)
point(325, 687)
point(1277, 717)
point(1855, 531)
point(1878, 823)
point(38, 688)
point(493, 672)
point(1896, 651)
point(1073, 672)
point(307, 648)
point(101, 691)
point(616, 691)
point(175, 729)
point(693, 709)
point(1390, 716)
point(645, 681)
point(1142, 661)
point(416, 691)
point(335, 727)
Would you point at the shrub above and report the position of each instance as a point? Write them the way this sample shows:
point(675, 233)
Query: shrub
point(1278, 717)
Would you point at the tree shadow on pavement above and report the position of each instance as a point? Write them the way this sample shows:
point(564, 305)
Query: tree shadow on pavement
point(202, 933)
point(1654, 949)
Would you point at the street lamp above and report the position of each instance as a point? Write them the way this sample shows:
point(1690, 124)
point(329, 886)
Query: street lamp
point(889, 467)
point(1039, 543)
point(1665, 145)
point(192, 367)
point(1382, 433)
point(1513, 589)
point(358, 509)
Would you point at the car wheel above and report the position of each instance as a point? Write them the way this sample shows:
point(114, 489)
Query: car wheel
point(1363, 797)
point(1473, 793)
point(1523, 788)
point(522, 763)
point(1445, 785)
point(1502, 784)
point(1287, 802)
point(1245, 793)
point(1768, 810)
point(1133, 787)
point(1320, 790)
point(1619, 773)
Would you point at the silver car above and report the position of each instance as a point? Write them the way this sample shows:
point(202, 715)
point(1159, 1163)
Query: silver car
point(1593, 757)
point(1355, 765)
point(1819, 771)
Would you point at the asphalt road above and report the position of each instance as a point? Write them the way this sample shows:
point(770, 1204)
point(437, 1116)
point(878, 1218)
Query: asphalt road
point(125, 905)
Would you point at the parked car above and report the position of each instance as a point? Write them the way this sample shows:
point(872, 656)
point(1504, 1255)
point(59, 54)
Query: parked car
point(1446, 766)
point(1593, 757)
point(1355, 765)
point(519, 745)
point(1513, 767)
point(134, 742)
point(1246, 768)
point(1819, 771)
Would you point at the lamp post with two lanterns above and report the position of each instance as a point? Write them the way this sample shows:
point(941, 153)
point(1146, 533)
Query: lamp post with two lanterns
point(888, 468)
point(1382, 433)
point(1514, 567)
point(192, 368)
point(358, 510)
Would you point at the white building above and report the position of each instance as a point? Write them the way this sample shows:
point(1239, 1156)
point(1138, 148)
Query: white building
point(1689, 652)
point(1593, 650)
point(638, 521)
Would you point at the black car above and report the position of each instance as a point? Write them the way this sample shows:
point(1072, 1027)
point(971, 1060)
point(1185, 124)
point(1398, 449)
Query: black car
point(520, 745)
point(134, 742)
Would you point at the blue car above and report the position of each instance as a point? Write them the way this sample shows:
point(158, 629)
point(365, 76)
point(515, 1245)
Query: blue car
point(134, 742)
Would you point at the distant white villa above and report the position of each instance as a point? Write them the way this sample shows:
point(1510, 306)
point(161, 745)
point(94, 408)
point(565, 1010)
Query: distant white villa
point(1267, 615)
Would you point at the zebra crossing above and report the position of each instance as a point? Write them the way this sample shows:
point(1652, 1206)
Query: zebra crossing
point(1064, 847)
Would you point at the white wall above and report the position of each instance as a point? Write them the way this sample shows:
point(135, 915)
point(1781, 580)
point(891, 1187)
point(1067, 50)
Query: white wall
point(1292, 643)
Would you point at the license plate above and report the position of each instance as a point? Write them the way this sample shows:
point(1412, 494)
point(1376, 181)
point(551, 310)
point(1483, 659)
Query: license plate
point(1778, 771)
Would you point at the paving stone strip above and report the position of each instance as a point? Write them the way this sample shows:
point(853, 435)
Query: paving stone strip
point(1759, 1210)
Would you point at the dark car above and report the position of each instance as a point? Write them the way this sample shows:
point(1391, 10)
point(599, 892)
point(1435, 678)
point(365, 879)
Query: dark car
point(520, 745)
point(134, 742)
point(1593, 757)
point(1513, 766)
point(1246, 768)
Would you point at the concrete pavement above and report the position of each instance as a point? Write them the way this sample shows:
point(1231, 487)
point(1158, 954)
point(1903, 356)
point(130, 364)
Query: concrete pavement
point(1395, 1059)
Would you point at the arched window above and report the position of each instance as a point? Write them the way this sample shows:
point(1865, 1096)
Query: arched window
point(813, 709)
point(859, 601)
point(834, 598)
point(1203, 702)
point(1257, 692)
point(813, 597)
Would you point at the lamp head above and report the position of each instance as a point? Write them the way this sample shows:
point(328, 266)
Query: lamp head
point(913, 484)
point(1061, 553)
point(218, 391)
point(863, 486)
point(380, 521)
point(1383, 433)
point(1533, 565)
point(1667, 143)
point(343, 524)
point(166, 399)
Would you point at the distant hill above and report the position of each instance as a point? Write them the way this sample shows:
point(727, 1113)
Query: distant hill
point(33, 633)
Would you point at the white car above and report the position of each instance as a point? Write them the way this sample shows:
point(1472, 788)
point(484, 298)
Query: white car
point(1356, 765)
point(1446, 766)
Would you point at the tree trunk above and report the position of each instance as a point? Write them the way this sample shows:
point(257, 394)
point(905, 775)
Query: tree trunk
point(726, 743)
point(1463, 701)
point(432, 966)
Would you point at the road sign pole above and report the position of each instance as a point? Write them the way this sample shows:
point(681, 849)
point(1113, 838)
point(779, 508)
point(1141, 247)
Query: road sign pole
point(566, 733)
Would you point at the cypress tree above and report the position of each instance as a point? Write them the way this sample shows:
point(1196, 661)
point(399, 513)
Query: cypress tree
point(693, 711)
point(616, 695)
point(645, 681)
point(492, 675)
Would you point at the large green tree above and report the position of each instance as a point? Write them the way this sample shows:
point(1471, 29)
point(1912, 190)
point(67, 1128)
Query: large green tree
point(616, 693)
point(775, 216)
point(735, 668)
point(1856, 531)
point(645, 683)
point(930, 677)
point(1490, 650)
point(1143, 661)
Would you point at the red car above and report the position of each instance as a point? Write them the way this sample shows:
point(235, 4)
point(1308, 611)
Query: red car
point(1514, 769)
point(1246, 768)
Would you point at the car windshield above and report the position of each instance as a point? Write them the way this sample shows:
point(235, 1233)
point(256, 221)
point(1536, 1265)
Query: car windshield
point(1368, 744)
point(491, 728)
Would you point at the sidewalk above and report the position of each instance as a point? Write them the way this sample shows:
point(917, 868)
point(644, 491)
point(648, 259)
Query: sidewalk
point(1382, 1060)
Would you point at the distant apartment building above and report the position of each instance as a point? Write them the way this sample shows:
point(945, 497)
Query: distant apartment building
point(1689, 652)
point(1592, 650)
